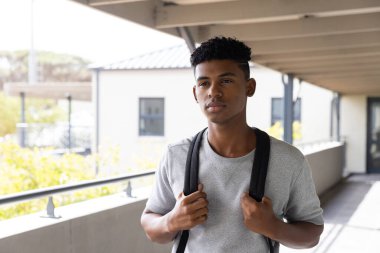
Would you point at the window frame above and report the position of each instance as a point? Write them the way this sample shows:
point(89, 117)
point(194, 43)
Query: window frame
point(154, 117)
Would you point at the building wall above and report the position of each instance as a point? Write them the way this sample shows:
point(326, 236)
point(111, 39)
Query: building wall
point(119, 112)
point(315, 113)
point(120, 91)
point(353, 130)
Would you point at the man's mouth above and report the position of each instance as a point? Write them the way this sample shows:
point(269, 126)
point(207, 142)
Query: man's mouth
point(215, 106)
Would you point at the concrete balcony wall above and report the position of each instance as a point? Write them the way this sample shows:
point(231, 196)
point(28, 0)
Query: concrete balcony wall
point(91, 227)
point(327, 166)
point(112, 224)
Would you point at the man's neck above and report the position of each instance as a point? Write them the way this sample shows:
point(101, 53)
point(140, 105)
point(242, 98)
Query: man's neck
point(231, 141)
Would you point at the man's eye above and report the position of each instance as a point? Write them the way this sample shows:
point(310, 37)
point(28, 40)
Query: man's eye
point(203, 84)
point(226, 81)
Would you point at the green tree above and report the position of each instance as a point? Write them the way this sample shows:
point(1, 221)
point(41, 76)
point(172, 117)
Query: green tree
point(25, 169)
point(9, 114)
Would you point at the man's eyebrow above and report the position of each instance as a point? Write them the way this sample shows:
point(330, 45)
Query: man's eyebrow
point(202, 78)
point(221, 75)
point(227, 74)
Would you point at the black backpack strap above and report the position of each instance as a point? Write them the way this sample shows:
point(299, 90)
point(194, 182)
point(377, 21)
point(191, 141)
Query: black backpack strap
point(260, 165)
point(259, 171)
point(191, 179)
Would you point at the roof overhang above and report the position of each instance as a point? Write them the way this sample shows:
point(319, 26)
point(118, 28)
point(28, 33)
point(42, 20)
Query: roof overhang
point(77, 91)
point(334, 44)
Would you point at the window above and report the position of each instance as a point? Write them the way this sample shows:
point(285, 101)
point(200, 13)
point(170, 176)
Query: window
point(278, 111)
point(151, 116)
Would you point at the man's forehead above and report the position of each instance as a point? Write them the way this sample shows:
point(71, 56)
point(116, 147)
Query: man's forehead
point(218, 68)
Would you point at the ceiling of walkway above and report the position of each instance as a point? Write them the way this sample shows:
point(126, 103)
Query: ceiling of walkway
point(334, 44)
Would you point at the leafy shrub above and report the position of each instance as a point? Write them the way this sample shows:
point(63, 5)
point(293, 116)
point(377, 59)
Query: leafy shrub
point(24, 169)
point(277, 130)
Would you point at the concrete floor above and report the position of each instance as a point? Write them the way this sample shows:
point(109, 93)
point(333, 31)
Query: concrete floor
point(352, 217)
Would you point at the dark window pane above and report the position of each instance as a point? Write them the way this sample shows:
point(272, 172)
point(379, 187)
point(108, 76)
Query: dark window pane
point(277, 110)
point(151, 115)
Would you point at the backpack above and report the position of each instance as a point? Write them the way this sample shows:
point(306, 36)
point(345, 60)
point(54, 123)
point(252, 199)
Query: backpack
point(258, 176)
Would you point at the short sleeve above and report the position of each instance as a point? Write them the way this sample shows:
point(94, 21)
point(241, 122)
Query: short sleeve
point(162, 199)
point(304, 204)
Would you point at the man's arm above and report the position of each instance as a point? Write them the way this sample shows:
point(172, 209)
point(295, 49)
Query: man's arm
point(188, 212)
point(156, 227)
point(297, 235)
point(260, 218)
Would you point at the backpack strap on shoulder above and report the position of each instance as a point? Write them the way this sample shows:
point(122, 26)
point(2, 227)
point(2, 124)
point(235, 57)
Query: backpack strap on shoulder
point(260, 165)
point(259, 173)
point(191, 179)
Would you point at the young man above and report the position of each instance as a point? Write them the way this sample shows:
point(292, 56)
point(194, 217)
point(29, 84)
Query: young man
point(221, 216)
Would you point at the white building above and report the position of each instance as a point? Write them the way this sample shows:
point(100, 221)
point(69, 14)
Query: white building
point(146, 102)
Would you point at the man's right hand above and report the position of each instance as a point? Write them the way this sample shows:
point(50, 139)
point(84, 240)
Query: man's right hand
point(189, 211)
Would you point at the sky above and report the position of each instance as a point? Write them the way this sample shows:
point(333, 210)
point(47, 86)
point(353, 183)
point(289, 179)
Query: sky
point(65, 26)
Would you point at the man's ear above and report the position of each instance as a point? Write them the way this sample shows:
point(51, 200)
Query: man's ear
point(195, 94)
point(251, 87)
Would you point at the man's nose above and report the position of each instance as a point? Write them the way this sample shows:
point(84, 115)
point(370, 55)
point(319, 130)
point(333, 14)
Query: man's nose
point(214, 91)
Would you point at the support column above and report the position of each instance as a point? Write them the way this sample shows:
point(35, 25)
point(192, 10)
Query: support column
point(336, 129)
point(288, 108)
point(32, 74)
point(335, 117)
point(338, 97)
point(184, 32)
point(69, 123)
point(96, 130)
point(22, 129)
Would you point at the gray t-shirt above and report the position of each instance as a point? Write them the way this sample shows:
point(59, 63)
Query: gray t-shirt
point(289, 185)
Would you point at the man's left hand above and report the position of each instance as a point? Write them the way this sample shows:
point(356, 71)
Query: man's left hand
point(259, 216)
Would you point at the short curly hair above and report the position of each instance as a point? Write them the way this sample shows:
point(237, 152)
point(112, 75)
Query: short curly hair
point(223, 48)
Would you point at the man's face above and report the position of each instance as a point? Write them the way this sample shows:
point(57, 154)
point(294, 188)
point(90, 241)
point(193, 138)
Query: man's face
point(221, 90)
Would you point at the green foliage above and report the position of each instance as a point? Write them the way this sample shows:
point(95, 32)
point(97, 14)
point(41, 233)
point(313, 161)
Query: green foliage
point(27, 169)
point(43, 111)
point(277, 130)
point(9, 114)
point(36, 110)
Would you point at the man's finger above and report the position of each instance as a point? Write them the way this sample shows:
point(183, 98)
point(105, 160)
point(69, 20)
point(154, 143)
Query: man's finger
point(267, 200)
point(248, 198)
point(194, 196)
point(200, 187)
point(201, 212)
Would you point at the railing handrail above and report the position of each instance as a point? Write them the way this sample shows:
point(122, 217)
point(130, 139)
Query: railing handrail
point(316, 142)
point(48, 191)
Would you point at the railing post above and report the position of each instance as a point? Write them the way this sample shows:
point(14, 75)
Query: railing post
point(50, 209)
point(128, 190)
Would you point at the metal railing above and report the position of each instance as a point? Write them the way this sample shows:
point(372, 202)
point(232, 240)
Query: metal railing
point(57, 135)
point(49, 191)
